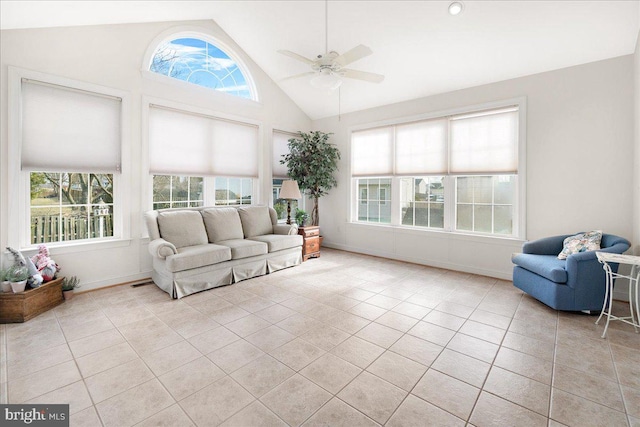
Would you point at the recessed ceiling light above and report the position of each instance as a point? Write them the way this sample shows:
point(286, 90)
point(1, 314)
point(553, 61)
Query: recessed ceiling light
point(456, 8)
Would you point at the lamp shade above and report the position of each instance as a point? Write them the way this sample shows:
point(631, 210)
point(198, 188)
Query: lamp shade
point(290, 190)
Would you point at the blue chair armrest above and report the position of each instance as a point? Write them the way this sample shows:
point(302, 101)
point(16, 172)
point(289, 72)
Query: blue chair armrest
point(584, 268)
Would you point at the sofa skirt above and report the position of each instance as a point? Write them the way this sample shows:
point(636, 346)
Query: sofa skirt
point(249, 270)
point(187, 282)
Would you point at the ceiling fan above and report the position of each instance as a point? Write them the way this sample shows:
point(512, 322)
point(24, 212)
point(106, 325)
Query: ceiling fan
point(329, 67)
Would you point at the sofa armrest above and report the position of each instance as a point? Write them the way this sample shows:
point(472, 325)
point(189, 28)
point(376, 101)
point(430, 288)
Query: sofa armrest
point(161, 248)
point(545, 246)
point(290, 229)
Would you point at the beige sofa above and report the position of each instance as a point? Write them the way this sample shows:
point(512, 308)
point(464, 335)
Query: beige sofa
point(195, 249)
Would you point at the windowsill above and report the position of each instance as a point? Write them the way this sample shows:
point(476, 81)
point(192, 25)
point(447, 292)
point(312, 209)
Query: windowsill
point(83, 246)
point(441, 234)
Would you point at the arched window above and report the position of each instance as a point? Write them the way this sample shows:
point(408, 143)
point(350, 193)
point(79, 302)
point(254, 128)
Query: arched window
point(199, 62)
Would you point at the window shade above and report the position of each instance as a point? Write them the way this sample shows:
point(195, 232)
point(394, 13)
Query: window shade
point(280, 148)
point(372, 152)
point(421, 148)
point(65, 129)
point(485, 143)
point(182, 143)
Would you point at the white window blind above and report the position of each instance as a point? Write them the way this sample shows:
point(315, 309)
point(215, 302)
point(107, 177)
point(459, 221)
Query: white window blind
point(421, 148)
point(183, 143)
point(485, 143)
point(372, 152)
point(64, 129)
point(280, 148)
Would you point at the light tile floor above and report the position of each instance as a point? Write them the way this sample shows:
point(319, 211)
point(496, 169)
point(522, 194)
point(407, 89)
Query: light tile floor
point(345, 339)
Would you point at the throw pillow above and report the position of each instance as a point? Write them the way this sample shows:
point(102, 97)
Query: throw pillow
point(589, 241)
point(182, 228)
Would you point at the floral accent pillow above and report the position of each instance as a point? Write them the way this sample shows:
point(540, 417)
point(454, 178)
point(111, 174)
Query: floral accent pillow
point(589, 241)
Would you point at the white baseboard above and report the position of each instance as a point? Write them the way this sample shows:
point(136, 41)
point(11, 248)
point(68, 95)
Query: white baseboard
point(114, 281)
point(448, 266)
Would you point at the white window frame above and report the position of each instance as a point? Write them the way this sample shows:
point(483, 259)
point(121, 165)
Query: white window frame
point(382, 200)
point(209, 190)
point(197, 33)
point(519, 216)
point(171, 201)
point(18, 193)
point(209, 181)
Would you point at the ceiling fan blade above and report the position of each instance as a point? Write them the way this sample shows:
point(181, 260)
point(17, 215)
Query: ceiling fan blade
point(353, 55)
point(296, 56)
point(362, 75)
point(309, 73)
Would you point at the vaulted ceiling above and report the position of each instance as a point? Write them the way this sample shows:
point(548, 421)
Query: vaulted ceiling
point(419, 48)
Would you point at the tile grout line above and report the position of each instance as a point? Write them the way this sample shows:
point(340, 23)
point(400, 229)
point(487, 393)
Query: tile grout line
point(553, 368)
point(4, 371)
point(615, 367)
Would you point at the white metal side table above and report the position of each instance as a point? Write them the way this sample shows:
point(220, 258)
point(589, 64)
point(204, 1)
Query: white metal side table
point(634, 277)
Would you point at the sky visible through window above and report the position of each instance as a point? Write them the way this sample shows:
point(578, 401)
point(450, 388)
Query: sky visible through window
point(198, 62)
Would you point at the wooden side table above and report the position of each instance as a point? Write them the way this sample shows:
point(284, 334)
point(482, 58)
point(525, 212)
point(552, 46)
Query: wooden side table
point(310, 241)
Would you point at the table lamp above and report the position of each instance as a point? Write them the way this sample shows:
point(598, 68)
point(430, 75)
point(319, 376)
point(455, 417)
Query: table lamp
point(289, 192)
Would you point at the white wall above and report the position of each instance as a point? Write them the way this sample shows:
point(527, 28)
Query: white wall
point(112, 56)
point(580, 140)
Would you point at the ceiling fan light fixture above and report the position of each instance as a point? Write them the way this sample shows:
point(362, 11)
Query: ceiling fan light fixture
point(327, 81)
point(456, 8)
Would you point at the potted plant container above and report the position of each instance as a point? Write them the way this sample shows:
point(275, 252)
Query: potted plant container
point(5, 285)
point(17, 275)
point(68, 285)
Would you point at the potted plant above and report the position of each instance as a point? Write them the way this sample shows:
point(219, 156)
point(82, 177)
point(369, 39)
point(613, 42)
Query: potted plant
point(17, 275)
point(4, 283)
point(301, 217)
point(312, 161)
point(68, 285)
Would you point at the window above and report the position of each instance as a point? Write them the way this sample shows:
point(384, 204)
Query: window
point(279, 174)
point(455, 173)
point(363, 194)
point(199, 62)
point(485, 203)
point(422, 201)
point(69, 155)
point(378, 207)
point(70, 206)
point(215, 161)
point(233, 191)
point(171, 191)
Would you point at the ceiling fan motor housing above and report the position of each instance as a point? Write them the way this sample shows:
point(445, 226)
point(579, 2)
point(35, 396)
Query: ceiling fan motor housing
point(326, 64)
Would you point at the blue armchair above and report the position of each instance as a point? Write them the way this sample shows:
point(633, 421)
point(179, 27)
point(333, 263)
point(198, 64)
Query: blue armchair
point(574, 284)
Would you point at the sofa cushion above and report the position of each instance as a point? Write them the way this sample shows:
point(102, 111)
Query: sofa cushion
point(278, 242)
point(182, 228)
point(547, 266)
point(197, 256)
point(256, 220)
point(582, 242)
point(222, 224)
point(244, 248)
